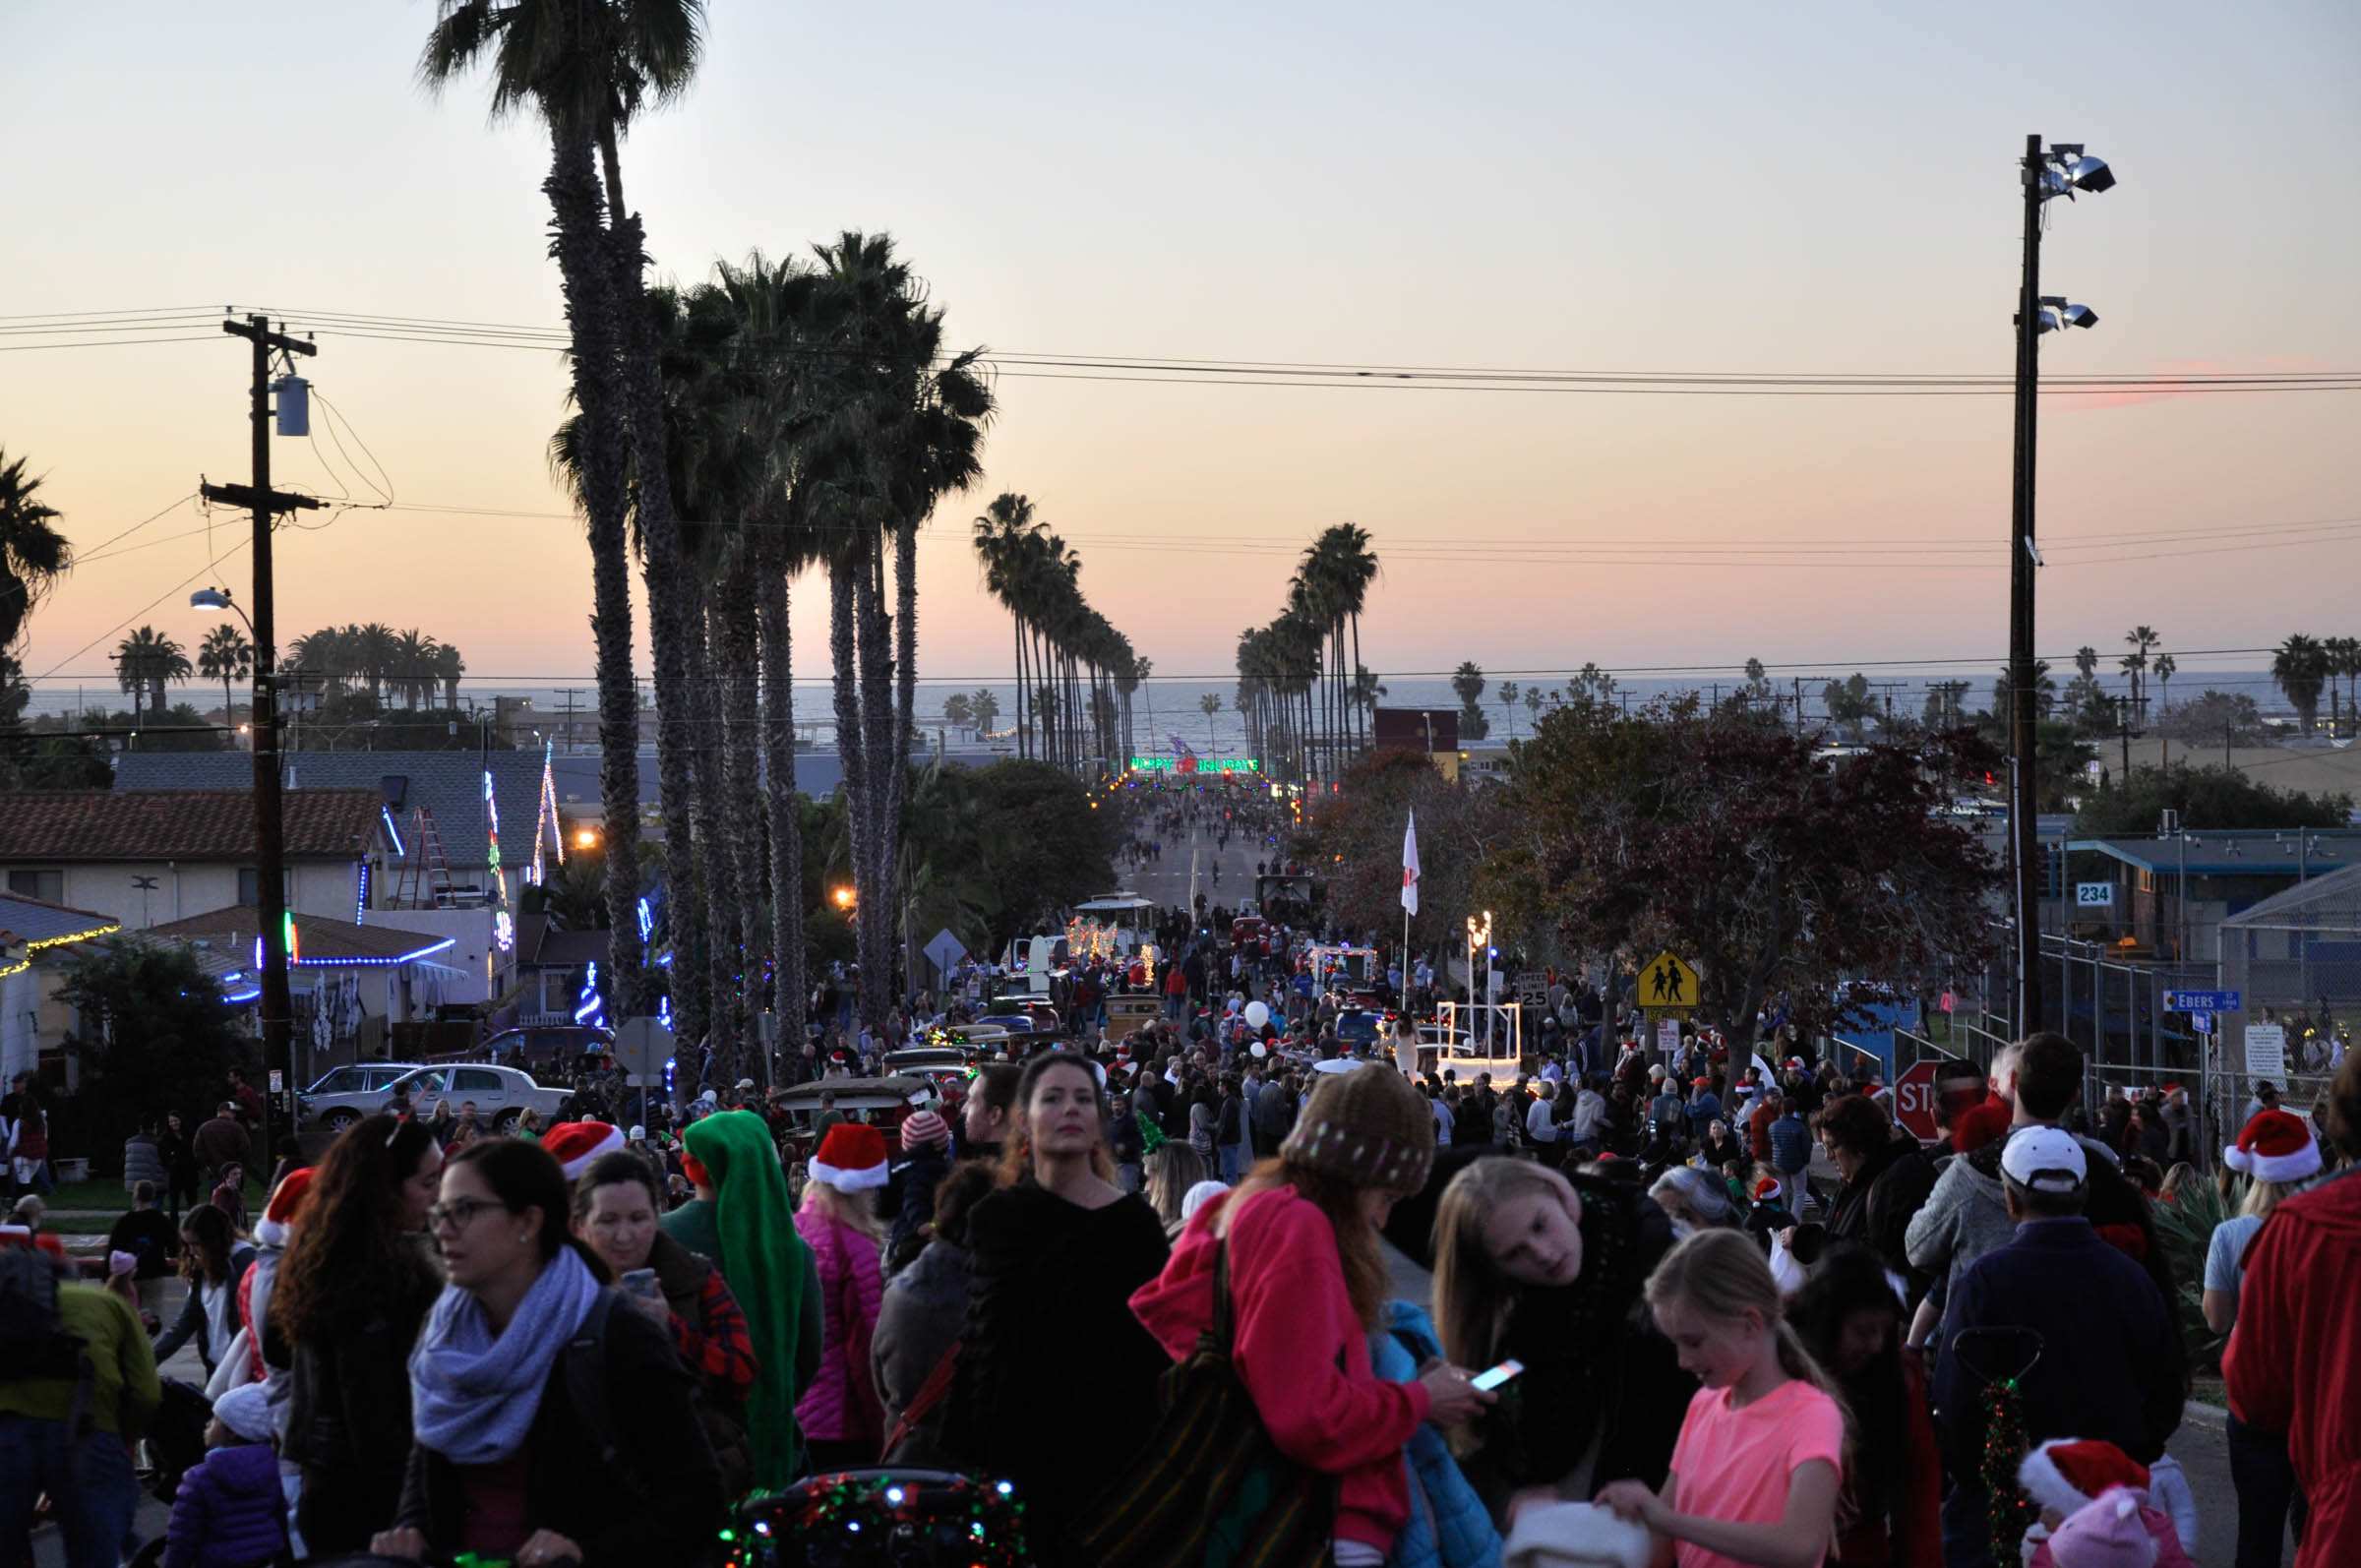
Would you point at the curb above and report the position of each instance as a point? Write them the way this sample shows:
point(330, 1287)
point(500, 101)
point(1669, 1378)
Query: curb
point(2211, 1414)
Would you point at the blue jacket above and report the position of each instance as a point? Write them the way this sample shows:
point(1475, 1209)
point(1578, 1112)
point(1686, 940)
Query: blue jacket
point(229, 1512)
point(1790, 1143)
point(1448, 1526)
point(2106, 1369)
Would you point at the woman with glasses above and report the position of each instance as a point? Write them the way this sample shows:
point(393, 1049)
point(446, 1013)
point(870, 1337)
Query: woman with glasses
point(553, 1423)
point(344, 1307)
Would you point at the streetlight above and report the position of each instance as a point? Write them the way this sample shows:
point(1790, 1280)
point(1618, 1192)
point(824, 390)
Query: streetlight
point(2065, 169)
point(844, 899)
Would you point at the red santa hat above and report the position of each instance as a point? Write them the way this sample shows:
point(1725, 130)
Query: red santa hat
point(851, 1158)
point(2274, 1146)
point(276, 1228)
point(2069, 1473)
point(575, 1144)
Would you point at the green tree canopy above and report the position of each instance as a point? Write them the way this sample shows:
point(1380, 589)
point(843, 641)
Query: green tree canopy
point(2212, 796)
point(154, 1035)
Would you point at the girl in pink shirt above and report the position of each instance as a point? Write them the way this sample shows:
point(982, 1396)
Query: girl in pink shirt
point(1755, 1473)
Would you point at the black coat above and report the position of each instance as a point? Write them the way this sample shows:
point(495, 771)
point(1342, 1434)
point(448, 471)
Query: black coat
point(348, 1424)
point(660, 1501)
point(1058, 1381)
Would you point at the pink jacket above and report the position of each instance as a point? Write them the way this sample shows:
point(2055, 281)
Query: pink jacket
point(842, 1403)
point(1293, 1323)
point(2169, 1552)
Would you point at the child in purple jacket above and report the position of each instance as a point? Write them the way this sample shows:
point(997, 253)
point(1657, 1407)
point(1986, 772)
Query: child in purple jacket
point(230, 1511)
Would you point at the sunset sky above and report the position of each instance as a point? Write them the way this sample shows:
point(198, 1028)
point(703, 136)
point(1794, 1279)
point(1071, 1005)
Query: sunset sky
point(1712, 186)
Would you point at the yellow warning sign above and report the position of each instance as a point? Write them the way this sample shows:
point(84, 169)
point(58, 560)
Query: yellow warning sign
point(1669, 981)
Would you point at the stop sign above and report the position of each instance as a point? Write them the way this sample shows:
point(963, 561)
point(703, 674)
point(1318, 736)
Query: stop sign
point(1914, 1102)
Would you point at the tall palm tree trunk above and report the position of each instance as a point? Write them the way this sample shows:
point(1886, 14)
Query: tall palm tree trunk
point(1025, 736)
point(781, 809)
point(851, 748)
point(740, 820)
point(887, 756)
point(578, 244)
point(722, 959)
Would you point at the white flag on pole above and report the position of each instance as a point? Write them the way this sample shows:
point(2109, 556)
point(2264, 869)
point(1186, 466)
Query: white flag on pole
point(1410, 866)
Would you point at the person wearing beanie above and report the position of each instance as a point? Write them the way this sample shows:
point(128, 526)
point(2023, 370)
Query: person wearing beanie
point(1057, 1382)
point(2066, 1476)
point(1296, 1242)
point(229, 1511)
point(909, 1196)
point(742, 1221)
point(842, 1419)
point(577, 1144)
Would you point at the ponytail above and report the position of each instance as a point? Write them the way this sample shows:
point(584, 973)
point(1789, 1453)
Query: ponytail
point(1721, 1275)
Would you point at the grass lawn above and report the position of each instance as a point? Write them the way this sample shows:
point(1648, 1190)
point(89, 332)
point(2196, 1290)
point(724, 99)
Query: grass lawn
point(105, 1194)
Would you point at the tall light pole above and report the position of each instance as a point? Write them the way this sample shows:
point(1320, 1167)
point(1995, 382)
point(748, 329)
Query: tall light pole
point(2060, 172)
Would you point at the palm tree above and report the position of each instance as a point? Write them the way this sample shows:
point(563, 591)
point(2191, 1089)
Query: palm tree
point(225, 657)
point(2166, 666)
point(1209, 704)
point(2301, 668)
point(449, 667)
point(2135, 663)
point(377, 651)
point(586, 68)
point(2345, 659)
point(1508, 704)
point(2086, 662)
point(2045, 691)
point(144, 661)
point(32, 553)
point(412, 668)
point(986, 707)
point(1000, 533)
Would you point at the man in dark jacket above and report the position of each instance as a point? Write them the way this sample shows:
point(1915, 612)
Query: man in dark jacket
point(1886, 1177)
point(220, 1142)
point(2080, 1326)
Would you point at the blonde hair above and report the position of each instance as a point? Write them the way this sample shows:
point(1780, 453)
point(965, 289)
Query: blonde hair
point(1721, 1275)
point(843, 1207)
point(2262, 1197)
point(1173, 1170)
point(1473, 1298)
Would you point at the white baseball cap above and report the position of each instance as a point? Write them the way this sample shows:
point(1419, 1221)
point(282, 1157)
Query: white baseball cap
point(2045, 1160)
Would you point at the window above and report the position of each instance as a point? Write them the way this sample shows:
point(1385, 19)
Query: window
point(250, 888)
point(48, 886)
point(474, 1080)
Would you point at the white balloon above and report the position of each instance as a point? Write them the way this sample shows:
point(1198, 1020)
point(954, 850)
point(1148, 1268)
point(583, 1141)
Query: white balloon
point(1256, 1051)
point(1257, 1014)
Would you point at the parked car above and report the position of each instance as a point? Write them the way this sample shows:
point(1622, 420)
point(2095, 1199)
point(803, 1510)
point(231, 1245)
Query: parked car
point(501, 1094)
point(342, 1096)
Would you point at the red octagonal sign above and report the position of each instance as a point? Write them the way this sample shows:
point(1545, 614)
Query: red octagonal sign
point(1914, 1102)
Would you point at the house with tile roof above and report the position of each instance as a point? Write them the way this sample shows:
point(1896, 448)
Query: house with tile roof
point(143, 858)
point(462, 792)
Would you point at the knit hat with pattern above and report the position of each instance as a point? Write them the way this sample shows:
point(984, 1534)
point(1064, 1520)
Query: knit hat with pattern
point(1368, 1126)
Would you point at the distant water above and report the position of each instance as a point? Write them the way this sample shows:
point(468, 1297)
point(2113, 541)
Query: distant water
point(1163, 710)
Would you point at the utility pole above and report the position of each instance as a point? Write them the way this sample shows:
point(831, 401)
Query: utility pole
point(269, 817)
point(2022, 792)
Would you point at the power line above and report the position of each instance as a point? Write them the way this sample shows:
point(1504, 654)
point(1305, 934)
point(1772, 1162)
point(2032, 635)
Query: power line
point(202, 570)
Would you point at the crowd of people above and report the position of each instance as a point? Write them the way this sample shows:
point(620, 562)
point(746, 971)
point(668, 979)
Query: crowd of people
point(1150, 1286)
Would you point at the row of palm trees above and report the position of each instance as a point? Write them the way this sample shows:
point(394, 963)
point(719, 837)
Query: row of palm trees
point(1301, 688)
point(2304, 666)
point(1075, 673)
point(410, 666)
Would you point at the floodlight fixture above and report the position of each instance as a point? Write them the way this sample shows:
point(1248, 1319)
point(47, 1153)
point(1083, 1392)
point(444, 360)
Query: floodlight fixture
point(2069, 169)
point(209, 600)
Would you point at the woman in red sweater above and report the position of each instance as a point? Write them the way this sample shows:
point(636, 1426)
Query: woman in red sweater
point(1307, 1286)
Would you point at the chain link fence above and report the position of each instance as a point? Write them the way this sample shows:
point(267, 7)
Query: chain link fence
point(2295, 961)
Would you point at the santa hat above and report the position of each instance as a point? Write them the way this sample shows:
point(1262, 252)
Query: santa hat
point(1979, 1125)
point(1767, 1191)
point(2106, 1534)
point(851, 1158)
point(2068, 1472)
point(2274, 1146)
point(272, 1230)
point(575, 1144)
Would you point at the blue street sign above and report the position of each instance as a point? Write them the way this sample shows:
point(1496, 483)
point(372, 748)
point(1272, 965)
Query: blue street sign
point(2202, 1022)
point(2204, 1001)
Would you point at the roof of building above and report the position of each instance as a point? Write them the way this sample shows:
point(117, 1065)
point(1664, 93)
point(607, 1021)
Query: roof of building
point(36, 920)
point(2236, 852)
point(319, 941)
point(2330, 903)
point(57, 826)
point(449, 784)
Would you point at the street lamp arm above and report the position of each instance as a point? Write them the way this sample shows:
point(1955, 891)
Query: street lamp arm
point(219, 599)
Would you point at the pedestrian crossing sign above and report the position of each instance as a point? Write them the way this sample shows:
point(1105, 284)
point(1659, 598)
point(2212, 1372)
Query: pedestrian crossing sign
point(1669, 981)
